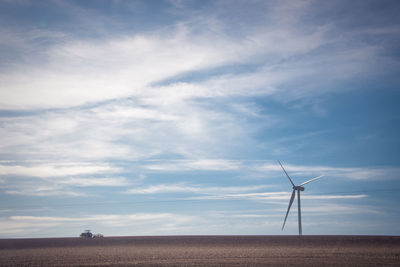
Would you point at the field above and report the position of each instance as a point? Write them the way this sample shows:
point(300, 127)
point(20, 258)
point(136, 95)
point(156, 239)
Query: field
point(203, 251)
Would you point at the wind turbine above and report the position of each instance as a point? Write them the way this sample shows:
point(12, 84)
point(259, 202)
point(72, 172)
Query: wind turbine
point(297, 188)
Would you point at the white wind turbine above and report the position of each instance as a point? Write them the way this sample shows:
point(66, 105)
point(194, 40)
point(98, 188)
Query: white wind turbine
point(297, 188)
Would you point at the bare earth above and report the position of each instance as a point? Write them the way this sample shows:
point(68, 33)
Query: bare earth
point(203, 251)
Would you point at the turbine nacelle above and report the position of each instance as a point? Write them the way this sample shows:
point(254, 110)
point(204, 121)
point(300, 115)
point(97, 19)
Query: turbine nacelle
point(299, 188)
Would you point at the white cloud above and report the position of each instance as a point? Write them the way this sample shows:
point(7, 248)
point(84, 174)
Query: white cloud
point(27, 225)
point(56, 170)
point(41, 191)
point(336, 196)
point(40, 178)
point(173, 188)
point(94, 181)
point(355, 173)
point(67, 135)
point(73, 72)
point(133, 113)
point(121, 129)
point(277, 196)
point(139, 100)
point(99, 217)
point(202, 164)
point(334, 208)
point(159, 116)
point(78, 72)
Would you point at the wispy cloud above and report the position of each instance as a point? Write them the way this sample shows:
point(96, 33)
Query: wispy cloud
point(336, 208)
point(56, 170)
point(93, 99)
point(357, 173)
point(38, 178)
point(62, 186)
point(74, 72)
point(101, 217)
point(40, 190)
point(174, 188)
point(277, 196)
point(117, 130)
point(202, 164)
point(25, 225)
point(85, 182)
point(150, 57)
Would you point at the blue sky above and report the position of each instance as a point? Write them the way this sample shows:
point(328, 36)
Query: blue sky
point(168, 117)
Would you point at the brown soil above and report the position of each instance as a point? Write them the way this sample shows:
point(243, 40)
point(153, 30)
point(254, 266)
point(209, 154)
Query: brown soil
point(203, 251)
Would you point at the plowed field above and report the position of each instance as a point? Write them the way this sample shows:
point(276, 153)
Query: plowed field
point(203, 251)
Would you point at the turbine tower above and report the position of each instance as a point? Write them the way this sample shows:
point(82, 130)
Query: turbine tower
point(297, 188)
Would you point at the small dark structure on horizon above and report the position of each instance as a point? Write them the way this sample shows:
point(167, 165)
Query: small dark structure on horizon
point(87, 234)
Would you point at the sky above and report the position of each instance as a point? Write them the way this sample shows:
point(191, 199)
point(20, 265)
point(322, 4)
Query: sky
point(168, 117)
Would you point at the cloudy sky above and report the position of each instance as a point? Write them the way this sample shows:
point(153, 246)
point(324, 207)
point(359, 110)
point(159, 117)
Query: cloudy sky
point(168, 117)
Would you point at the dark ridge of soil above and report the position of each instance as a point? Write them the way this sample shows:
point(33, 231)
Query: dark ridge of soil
point(259, 240)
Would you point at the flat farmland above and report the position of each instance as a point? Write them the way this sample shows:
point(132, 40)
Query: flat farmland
point(203, 251)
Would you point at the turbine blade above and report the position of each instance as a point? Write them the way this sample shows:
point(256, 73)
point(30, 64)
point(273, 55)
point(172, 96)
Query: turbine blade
point(286, 173)
point(290, 204)
point(313, 179)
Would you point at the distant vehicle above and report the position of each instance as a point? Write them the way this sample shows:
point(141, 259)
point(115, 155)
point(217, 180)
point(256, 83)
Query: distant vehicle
point(88, 234)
